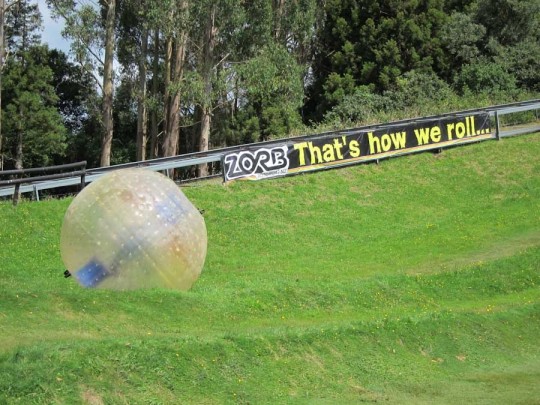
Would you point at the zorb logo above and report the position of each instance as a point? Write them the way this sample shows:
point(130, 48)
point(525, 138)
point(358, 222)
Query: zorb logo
point(262, 163)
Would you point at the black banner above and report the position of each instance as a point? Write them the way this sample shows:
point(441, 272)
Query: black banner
point(349, 147)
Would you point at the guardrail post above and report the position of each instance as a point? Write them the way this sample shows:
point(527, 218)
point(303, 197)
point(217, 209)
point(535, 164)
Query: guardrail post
point(497, 126)
point(36, 192)
point(83, 176)
point(16, 194)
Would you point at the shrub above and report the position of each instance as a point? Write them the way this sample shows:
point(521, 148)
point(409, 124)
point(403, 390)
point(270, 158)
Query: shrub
point(419, 88)
point(485, 77)
point(360, 106)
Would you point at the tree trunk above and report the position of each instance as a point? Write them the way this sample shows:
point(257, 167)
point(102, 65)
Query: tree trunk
point(167, 93)
point(172, 135)
point(202, 169)
point(19, 154)
point(142, 127)
point(154, 125)
point(20, 139)
point(20, 136)
point(174, 71)
point(106, 143)
point(207, 68)
point(2, 20)
point(279, 10)
point(19, 151)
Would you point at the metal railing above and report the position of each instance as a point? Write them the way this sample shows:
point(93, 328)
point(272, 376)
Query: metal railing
point(17, 177)
point(35, 184)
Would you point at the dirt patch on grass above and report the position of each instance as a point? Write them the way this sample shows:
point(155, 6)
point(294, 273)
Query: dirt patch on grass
point(90, 397)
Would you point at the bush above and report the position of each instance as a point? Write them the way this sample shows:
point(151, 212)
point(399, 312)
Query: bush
point(485, 78)
point(419, 88)
point(523, 61)
point(359, 106)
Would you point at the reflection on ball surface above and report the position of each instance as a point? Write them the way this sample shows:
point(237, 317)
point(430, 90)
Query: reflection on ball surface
point(133, 228)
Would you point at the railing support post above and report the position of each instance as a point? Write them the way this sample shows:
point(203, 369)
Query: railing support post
point(16, 194)
point(36, 192)
point(497, 126)
point(83, 176)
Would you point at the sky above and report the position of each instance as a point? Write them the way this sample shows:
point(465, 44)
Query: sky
point(52, 34)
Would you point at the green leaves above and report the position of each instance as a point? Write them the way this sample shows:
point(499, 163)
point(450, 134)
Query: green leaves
point(485, 77)
point(273, 86)
point(29, 104)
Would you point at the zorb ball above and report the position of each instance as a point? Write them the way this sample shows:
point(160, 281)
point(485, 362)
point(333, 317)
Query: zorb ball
point(133, 228)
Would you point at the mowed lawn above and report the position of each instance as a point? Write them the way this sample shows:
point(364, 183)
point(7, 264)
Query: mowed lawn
point(413, 281)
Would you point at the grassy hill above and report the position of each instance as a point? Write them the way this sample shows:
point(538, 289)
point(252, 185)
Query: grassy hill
point(413, 281)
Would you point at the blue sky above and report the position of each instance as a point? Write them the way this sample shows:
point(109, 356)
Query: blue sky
point(52, 33)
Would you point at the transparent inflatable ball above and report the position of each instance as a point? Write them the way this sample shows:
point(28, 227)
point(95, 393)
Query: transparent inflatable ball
point(131, 229)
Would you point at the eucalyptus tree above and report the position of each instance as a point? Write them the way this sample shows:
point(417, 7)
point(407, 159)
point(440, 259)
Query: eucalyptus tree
point(271, 68)
point(294, 27)
point(210, 30)
point(133, 44)
point(109, 7)
point(245, 64)
point(173, 18)
point(215, 36)
point(91, 28)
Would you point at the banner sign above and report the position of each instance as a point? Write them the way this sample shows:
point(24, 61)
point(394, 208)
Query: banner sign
point(350, 147)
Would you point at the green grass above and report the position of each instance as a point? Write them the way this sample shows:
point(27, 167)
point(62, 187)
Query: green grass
point(413, 281)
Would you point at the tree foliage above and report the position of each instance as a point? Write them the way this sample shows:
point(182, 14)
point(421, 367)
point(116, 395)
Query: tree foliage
point(192, 75)
point(32, 125)
point(366, 42)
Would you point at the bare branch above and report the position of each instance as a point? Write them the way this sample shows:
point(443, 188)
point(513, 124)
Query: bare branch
point(9, 5)
point(222, 60)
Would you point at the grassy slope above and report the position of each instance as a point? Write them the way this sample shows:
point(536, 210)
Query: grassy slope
point(416, 280)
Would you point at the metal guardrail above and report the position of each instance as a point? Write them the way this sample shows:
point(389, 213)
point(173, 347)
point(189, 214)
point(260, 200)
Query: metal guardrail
point(192, 159)
point(17, 178)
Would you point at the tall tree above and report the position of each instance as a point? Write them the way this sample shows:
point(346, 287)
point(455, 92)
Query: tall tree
point(22, 28)
point(154, 97)
point(4, 8)
point(33, 125)
point(271, 71)
point(207, 66)
point(142, 110)
point(78, 106)
point(91, 29)
point(2, 52)
point(462, 39)
point(74, 88)
point(109, 7)
point(176, 44)
point(510, 21)
point(273, 94)
point(294, 26)
point(133, 56)
point(513, 37)
point(216, 28)
point(367, 42)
